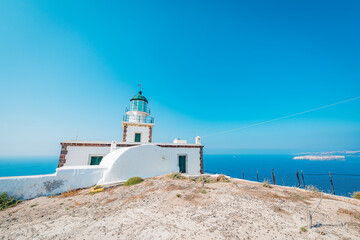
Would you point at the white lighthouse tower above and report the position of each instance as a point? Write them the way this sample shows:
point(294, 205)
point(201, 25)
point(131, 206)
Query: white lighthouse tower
point(137, 123)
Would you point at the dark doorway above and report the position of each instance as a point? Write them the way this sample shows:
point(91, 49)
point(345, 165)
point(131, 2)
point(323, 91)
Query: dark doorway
point(182, 164)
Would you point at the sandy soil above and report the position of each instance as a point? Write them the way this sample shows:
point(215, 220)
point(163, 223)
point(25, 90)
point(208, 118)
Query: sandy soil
point(163, 208)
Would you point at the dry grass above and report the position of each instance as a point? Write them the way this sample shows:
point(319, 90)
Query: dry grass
point(140, 196)
point(222, 178)
point(192, 198)
point(148, 184)
point(174, 187)
point(110, 200)
point(77, 203)
point(354, 214)
point(266, 184)
point(356, 195)
point(205, 179)
point(354, 225)
point(273, 195)
point(175, 176)
point(278, 209)
point(70, 193)
point(312, 188)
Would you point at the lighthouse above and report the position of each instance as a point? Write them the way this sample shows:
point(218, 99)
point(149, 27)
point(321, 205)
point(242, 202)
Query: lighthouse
point(85, 163)
point(137, 123)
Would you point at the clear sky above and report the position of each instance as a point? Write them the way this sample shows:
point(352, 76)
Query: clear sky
point(69, 68)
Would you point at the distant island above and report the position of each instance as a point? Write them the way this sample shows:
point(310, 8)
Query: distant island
point(320, 158)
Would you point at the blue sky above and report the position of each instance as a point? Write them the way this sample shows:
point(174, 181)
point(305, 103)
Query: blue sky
point(69, 68)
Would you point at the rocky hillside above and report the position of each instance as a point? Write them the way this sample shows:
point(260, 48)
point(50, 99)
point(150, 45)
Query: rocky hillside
point(166, 208)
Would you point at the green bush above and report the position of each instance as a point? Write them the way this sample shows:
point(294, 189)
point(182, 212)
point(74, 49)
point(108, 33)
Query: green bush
point(205, 179)
point(356, 195)
point(133, 181)
point(7, 201)
point(266, 184)
point(176, 175)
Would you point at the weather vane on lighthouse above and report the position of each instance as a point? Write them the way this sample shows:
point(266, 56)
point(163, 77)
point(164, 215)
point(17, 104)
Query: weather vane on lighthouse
point(140, 87)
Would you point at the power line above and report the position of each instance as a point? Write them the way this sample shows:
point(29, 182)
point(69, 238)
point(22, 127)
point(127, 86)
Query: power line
point(276, 119)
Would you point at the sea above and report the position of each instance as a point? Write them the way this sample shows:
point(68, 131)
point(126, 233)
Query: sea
point(345, 174)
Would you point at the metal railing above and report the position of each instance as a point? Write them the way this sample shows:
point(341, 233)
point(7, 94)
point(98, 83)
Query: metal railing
point(138, 119)
point(147, 110)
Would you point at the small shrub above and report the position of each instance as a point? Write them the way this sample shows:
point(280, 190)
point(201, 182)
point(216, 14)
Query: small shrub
point(178, 195)
point(266, 184)
point(7, 201)
point(356, 195)
point(176, 175)
point(204, 179)
point(133, 181)
point(303, 229)
point(203, 191)
point(312, 188)
point(222, 178)
point(34, 205)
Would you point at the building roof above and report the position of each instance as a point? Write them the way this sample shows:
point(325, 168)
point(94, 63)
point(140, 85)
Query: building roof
point(139, 96)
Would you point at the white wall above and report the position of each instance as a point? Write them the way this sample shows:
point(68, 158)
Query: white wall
point(131, 130)
point(192, 157)
point(65, 178)
point(147, 161)
point(144, 161)
point(80, 155)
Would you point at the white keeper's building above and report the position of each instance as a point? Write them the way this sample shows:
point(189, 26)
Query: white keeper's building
point(84, 164)
point(137, 128)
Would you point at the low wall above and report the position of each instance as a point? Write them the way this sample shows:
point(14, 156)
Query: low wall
point(65, 178)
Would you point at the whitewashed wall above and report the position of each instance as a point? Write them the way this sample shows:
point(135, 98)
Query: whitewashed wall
point(80, 155)
point(192, 157)
point(131, 130)
point(147, 161)
point(65, 178)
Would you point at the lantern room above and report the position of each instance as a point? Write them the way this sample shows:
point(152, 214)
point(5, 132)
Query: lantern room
point(139, 103)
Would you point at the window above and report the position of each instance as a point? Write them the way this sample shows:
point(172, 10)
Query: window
point(95, 160)
point(140, 108)
point(137, 137)
point(134, 105)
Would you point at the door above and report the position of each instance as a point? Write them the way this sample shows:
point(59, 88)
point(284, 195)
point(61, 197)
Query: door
point(182, 164)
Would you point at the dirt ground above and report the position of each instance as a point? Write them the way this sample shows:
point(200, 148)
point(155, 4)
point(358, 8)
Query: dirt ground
point(164, 208)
